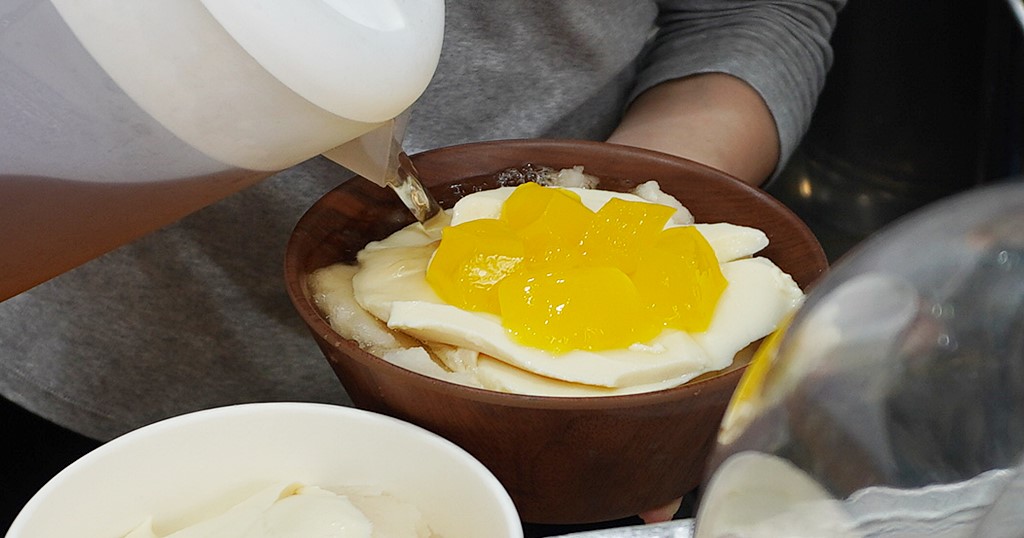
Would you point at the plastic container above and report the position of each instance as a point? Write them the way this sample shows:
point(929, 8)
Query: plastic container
point(122, 117)
point(893, 405)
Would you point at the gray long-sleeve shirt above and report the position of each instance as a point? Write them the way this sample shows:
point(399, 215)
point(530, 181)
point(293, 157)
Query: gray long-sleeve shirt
point(195, 315)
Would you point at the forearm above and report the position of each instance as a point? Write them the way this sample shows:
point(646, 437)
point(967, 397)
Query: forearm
point(715, 119)
point(778, 47)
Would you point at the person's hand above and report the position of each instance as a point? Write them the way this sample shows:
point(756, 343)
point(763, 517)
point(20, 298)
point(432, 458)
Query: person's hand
point(662, 513)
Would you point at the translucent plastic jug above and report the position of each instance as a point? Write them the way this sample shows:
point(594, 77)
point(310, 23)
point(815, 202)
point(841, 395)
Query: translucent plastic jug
point(121, 117)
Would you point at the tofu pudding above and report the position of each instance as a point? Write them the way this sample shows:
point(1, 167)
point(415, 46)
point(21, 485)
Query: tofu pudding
point(560, 290)
point(296, 510)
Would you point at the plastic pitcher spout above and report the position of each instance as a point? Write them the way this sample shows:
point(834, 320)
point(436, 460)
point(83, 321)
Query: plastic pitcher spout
point(378, 157)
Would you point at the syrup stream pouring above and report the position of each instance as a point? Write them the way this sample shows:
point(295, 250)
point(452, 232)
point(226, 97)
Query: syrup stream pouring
point(378, 156)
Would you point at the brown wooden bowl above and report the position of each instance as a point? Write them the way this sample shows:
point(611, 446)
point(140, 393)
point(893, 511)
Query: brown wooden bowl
point(563, 460)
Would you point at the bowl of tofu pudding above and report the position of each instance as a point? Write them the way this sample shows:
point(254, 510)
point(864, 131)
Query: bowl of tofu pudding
point(577, 319)
point(273, 469)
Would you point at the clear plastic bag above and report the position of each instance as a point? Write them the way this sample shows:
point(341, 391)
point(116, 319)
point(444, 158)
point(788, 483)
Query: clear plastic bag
point(893, 404)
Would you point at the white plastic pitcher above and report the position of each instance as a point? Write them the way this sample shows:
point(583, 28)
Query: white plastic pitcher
point(121, 117)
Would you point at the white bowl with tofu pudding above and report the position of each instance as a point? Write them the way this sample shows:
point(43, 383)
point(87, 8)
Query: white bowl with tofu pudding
point(289, 469)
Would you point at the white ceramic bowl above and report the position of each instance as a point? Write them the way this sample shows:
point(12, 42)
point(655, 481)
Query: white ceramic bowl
point(184, 468)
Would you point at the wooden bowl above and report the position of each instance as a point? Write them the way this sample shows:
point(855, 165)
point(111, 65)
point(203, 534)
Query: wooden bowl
point(562, 460)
